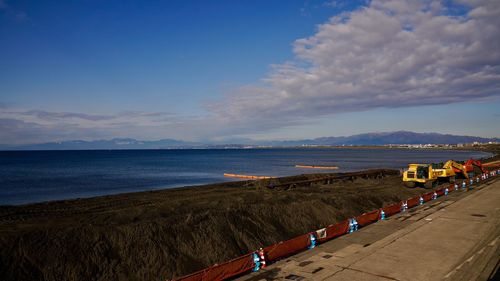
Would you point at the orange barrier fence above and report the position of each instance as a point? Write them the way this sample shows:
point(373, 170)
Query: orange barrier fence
point(287, 248)
point(427, 196)
point(368, 218)
point(392, 209)
point(440, 192)
point(222, 271)
point(412, 202)
point(335, 230)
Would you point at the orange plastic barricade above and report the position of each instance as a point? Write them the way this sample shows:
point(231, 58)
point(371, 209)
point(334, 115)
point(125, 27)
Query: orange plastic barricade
point(230, 269)
point(440, 192)
point(392, 209)
point(222, 271)
point(287, 248)
point(427, 196)
point(367, 218)
point(335, 230)
point(412, 202)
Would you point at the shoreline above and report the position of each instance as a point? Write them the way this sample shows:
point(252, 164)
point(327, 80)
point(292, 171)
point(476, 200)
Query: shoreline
point(402, 147)
point(493, 149)
point(195, 227)
point(161, 234)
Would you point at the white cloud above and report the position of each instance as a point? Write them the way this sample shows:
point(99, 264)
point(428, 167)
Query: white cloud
point(34, 126)
point(388, 54)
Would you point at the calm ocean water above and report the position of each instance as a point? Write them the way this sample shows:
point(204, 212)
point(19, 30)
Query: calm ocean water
point(35, 176)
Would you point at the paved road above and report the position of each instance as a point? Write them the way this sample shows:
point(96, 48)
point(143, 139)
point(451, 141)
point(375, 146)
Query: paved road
point(456, 237)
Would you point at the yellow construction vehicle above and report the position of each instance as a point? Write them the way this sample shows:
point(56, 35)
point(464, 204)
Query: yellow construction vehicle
point(429, 175)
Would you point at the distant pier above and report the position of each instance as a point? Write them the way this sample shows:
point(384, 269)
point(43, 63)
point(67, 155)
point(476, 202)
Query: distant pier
point(316, 167)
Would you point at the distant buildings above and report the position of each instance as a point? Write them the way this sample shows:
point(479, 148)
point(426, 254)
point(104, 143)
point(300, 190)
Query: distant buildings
point(429, 145)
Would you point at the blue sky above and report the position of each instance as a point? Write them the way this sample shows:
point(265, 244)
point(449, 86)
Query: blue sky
point(101, 56)
point(214, 70)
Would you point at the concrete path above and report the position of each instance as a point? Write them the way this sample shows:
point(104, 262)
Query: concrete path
point(453, 238)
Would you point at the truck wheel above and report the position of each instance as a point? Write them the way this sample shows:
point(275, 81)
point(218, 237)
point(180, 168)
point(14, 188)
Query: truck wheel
point(430, 184)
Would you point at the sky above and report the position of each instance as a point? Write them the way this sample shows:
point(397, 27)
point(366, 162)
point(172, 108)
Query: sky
point(235, 69)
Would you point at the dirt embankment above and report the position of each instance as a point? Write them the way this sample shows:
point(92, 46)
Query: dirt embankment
point(161, 234)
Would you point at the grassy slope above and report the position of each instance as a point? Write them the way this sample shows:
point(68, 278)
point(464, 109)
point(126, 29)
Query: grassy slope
point(161, 234)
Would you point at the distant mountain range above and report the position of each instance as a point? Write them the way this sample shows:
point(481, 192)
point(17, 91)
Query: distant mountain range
point(125, 143)
point(399, 137)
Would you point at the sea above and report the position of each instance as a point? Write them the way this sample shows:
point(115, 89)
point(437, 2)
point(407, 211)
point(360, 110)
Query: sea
point(37, 176)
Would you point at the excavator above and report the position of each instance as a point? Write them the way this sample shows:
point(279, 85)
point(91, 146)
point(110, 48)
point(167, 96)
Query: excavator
point(429, 175)
point(474, 167)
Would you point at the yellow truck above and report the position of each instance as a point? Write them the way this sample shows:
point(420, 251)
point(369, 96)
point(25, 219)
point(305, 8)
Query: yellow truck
point(429, 175)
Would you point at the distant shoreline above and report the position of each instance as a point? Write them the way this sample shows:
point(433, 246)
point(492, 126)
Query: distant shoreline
point(395, 147)
point(491, 155)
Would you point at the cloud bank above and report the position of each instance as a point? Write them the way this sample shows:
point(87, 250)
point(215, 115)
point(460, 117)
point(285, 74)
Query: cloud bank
point(388, 54)
point(34, 126)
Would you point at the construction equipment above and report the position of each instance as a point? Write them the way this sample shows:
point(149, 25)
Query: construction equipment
point(457, 168)
point(429, 175)
point(474, 167)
